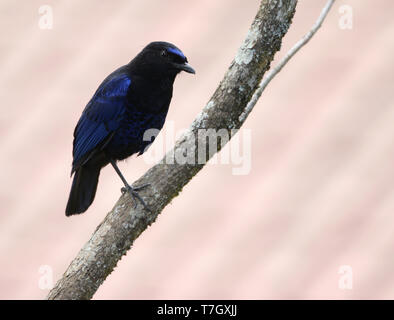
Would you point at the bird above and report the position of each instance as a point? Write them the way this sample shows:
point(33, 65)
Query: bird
point(132, 99)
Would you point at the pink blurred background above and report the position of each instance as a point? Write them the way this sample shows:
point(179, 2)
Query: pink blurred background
point(320, 194)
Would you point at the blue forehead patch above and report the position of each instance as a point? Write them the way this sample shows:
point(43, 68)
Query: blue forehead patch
point(177, 52)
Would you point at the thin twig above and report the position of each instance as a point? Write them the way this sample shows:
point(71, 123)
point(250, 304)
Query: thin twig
point(275, 70)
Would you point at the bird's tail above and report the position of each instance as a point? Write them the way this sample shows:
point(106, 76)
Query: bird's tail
point(83, 189)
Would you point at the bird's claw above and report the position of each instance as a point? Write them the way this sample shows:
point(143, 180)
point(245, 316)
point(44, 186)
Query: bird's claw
point(124, 189)
point(134, 194)
point(141, 187)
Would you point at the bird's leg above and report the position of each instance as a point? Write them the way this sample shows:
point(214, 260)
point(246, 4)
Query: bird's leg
point(127, 188)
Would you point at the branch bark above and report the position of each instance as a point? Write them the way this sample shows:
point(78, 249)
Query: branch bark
point(228, 108)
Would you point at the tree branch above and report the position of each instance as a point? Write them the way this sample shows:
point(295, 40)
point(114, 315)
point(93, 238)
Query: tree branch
point(228, 108)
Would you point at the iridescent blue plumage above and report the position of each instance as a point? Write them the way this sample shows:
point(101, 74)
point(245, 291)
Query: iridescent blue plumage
point(101, 117)
point(177, 52)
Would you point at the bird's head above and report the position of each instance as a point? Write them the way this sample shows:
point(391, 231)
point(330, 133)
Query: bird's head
point(163, 58)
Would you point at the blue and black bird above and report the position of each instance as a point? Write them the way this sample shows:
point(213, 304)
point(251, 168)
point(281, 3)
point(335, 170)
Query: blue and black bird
point(131, 100)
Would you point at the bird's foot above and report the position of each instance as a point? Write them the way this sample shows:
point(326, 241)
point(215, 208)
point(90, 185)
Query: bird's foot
point(134, 194)
point(125, 189)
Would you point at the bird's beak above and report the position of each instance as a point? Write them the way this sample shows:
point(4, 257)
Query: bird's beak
point(187, 68)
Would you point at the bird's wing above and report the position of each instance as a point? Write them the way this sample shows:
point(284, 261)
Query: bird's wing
point(100, 118)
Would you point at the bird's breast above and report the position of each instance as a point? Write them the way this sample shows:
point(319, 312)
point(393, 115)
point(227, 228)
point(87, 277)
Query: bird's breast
point(137, 130)
point(145, 111)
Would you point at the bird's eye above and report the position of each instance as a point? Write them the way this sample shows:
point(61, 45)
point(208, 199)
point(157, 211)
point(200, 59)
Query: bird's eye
point(163, 53)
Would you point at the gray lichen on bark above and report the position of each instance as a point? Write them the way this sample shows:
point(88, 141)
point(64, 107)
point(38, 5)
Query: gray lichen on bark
point(226, 109)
